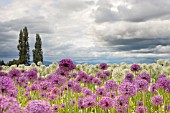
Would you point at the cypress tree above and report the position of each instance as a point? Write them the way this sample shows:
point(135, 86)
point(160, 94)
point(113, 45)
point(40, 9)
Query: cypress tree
point(23, 46)
point(37, 52)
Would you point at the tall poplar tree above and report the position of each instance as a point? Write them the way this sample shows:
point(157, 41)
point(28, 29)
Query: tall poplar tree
point(37, 52)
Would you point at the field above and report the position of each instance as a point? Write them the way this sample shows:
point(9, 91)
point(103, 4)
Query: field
point(102, 88)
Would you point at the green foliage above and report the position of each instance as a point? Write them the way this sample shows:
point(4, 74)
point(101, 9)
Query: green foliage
point(13, 62)
point(37, 52)
point(23, 46)
point(2, 62)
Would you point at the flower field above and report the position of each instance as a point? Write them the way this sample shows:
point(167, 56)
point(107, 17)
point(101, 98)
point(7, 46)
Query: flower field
point(102, 88)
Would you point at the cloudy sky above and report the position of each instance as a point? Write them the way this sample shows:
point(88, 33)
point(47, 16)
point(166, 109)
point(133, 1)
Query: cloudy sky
point(88, 30)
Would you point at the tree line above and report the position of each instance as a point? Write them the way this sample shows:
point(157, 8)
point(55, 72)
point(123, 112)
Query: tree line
point(24, 48)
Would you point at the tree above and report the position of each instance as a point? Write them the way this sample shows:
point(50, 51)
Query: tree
point(2, 62)
point(23, 46)
point(37, 52)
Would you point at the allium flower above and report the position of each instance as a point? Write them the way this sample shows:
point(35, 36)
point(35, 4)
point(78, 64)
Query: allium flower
point(38, 106)
point(129, 77)
point(80, 103)
point(14, 73)
point(76, 87)
point(161, 83)
point(127, 89)
point(107, 73)
point(103, 66)
point(86, 91)
point(67, 64)
point(31, 75)
point(22, 81)
point(141, 109)
point(153, 88)
point(89, 102)
point(3, 74)
point(101, 91)
point(135, 67)
point(106, 103)
point(62, 72)
point(111, 85)
point(140, 103)
point(141, 85)
point(101, 75)
point(144, 76)
point(157, 100)
point(161, 76)
point(63, 105)
point(111, 94)
point(121, 103)
point(167, 107)
point(73, 102)
point(45, 86)
point(74, 75)
point(90, 78)
point(6, 84)
point(118, 75)
point(57, 80)
point(55, 108)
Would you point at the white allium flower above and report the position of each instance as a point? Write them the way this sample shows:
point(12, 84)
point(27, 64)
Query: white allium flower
point(39, 63)
point(160, 61)
point(118, 75)
point(33, 65)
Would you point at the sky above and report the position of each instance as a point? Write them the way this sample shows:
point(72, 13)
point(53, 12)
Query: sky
point(88, 30)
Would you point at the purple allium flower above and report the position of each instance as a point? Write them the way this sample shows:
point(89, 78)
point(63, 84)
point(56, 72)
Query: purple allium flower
point(67, 64)
point(52, 97)
point(161, 76)
point(38, 106)
point(135, 67)
point(70, 84)
point(99, 83)
point(34, 87)
point(76, 87)
point(14, 73)
point(55, 90)
point(22, 81)
point(127, 89)
point(95, 80)
point(1, 68)
point(101, 91)
point(57, 80)
point(80, 103)
point(141, 109)
point(101, 75)
point(6, 84)
point(90, 78)
point(167, 107)
point(89, 102)
point(45, 86)
point(31, 75)
point(111, 94)
point(72, 102)
point(55, 108)
point(161, 83)
point(63, 105)
point(140, 103)
point(103, 66)
point(82, 74)
point(107, 73)
point(144, 76)
point(62, 72)
point(157, 100)
point(3, 74)
point(106, 103)
point(74, 75)
point(111, 85)
point(167, 86)
point(153, 88)
point(121, 102)
point(86, 91)
point(129, 77)
point(141, 85)
point(43, 95)
point(9, 105)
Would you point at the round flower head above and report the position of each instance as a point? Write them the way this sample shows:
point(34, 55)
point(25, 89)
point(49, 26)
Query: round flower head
point(144, 76)
point(107, 73)
point(62, 72)
point(121, 103)
point(31, 75)
point(153, 88)
point(141, 109)
point(127, 89)
point(106, 103)
point(76, 87)
point(67, 64)
point(141, 85)
point(14, 73)
point(86, 91)
point(101, 91)
point(38, 106)
point(135, 67)
point(63, 105)
point(89, 102)
point(161, 83)
point(55, 108)
point(157, 100)
point(118, 75)
point(111, 85)
point(129, 77)
point(167, 107)
point(3, 74)
point(103, 66)
point(111, 94)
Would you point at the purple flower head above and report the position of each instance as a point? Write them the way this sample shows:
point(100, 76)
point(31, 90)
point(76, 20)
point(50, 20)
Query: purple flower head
point(153, 88)
point(74, 75)
point(101, 75)
point(120, 103)
point(107, 73)
point(95, 80)
point(67, 64)
point(140, 103)
point(3, 74)
point(82, 74)
point(135, 67)
point(76, 87)
point(129, 77)
point(6, 84)
point(62, 72)
point(141, 109)
point(144, 76)
point(57, 80)
point(63, 105)
point(127, 89)
point(106, 103)
point(99, 83)
point(90, 78)
point(45, 86)
point(38, 106)
point(22, 81)
point(167, 85)
point(161, 83)
point(14, 73)
point(31, 75)
point(1, 68)
point(141, 85)
point(101, 91)
point(89, 102)
point(161, 76)
point(86, 91)
point(111, 85)
point(111, 94)
point(55, 108)
point(73, 102)
point(157, 100)
point(103, 66)
point(80, 103)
